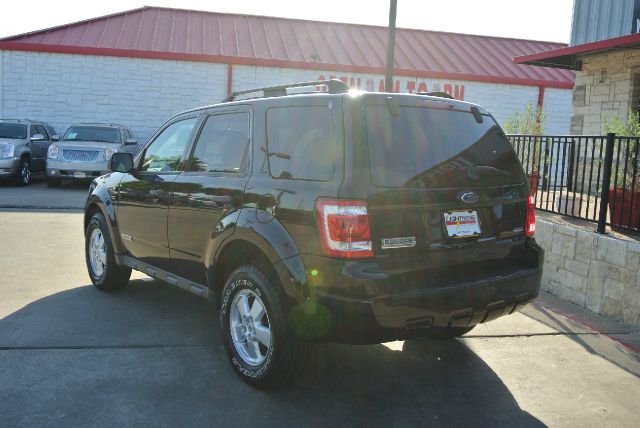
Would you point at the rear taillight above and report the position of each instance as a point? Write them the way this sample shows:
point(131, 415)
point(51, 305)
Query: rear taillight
point(344, 228)
point(530, 222)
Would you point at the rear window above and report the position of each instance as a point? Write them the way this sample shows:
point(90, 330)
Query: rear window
point(93, 133)
point(300, 143)
point(13, 131)
point(435, 148)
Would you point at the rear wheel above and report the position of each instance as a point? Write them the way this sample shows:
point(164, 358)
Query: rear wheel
point(444, 333)
point(262, 350)
point(105, 274)
point(23, 174)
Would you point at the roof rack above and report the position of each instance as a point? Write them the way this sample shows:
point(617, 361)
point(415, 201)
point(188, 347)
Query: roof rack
point(439, 94)
point(334, 86)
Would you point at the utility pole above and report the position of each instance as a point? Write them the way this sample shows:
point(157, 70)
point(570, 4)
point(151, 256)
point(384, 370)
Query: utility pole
point(388, 81)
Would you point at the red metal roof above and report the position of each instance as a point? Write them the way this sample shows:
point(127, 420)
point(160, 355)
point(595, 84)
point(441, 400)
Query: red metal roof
point(153, 32)
point(567, 57)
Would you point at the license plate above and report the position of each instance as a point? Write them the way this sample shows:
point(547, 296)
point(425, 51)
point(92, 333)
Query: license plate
point(80, 174)
point(462, 224)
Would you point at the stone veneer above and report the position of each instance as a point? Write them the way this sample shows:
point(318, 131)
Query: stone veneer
point(604, 87)
point(594, 271)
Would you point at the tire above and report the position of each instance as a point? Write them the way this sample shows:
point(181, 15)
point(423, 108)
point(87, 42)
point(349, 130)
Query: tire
point(446, 333)
point(54, 182)
point(23, 174)
point(105, 274)
point(259, 362)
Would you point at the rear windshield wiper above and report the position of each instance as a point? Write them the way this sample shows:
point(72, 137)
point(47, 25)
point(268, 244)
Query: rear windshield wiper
point(475, 171)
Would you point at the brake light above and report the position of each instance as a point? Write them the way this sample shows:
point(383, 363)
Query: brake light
point(530, 223)
point(343, 226)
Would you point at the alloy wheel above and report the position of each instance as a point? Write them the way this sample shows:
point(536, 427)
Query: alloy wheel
point(97, 253)
point(250, 328)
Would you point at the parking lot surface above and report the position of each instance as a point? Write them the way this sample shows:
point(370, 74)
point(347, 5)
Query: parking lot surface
point(71, 355)
point(38, 195)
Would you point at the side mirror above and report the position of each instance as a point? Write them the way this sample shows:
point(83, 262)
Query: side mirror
point(37, 137)
point(121, 162)
point(55, 138)
point(130, 142)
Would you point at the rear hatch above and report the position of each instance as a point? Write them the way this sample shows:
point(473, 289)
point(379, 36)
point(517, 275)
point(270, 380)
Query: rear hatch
point(448, 192)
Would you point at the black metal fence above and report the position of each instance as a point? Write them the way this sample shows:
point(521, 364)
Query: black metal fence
point(595, 178)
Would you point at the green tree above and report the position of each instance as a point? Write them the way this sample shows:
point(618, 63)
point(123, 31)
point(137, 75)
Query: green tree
point(530, 122)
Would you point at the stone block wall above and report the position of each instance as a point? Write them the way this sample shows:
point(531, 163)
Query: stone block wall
point(604, 87)
point(594, 271)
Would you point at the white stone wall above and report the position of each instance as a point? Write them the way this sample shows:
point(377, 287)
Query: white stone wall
point(594, 271)
point(140, 93)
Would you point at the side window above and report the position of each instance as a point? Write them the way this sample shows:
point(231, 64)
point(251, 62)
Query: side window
point(223, 144)
point(42, 130)
point(32, 130)
point(300, 143)
point(166, 153)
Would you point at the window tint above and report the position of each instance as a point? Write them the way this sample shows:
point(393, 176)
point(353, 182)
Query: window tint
point(42, 130)
point(14, 131)
point(166, 153)
point(425, 147)
point(103, 134)
point(223, 144)
point(300, 143)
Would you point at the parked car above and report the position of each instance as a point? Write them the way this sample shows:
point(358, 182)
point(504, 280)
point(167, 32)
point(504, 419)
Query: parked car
point(84, 151)
point(23, 148)
point(339, 216)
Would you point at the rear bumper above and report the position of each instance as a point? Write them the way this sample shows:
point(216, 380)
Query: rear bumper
point(409, 313)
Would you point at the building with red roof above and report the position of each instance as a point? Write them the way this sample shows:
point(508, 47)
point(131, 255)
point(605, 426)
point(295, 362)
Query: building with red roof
point(141, 66)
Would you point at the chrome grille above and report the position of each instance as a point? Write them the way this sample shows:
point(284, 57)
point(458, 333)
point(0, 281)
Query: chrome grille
point(79, 155)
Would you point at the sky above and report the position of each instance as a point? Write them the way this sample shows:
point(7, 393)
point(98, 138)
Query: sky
point(547, 20)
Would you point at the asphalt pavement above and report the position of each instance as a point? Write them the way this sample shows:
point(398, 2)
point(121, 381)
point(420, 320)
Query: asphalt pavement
point(151, 355)
point(71, 195)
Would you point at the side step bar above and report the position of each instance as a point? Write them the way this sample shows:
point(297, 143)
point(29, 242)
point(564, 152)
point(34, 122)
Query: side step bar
point(154, 272)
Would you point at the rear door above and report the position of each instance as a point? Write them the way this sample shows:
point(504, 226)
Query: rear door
point(447, 188)
point(210, 188)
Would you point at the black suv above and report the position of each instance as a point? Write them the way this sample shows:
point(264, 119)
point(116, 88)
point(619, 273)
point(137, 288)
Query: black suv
point(330, 215)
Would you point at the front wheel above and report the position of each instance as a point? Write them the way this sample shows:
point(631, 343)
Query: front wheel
point(262, 350)
point(23, 174)
point(105, 274)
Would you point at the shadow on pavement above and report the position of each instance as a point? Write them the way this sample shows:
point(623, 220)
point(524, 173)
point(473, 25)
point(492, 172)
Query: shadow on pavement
point(594, 342)
point(152, 355)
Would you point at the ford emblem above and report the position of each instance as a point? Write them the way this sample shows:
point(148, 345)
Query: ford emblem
point(469, 198)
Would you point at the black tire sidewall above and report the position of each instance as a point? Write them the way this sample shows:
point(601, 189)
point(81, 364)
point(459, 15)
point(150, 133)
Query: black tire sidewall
point(249, 278)
point(98, 221)
point(21, 166)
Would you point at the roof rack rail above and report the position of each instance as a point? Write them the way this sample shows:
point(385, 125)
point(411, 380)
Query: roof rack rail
point(439, 94)
point(334, 86)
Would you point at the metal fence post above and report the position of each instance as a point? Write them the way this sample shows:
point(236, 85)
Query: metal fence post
point(606, 183)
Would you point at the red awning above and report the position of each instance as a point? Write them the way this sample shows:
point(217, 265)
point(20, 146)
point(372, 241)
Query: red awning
point(569, 57)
